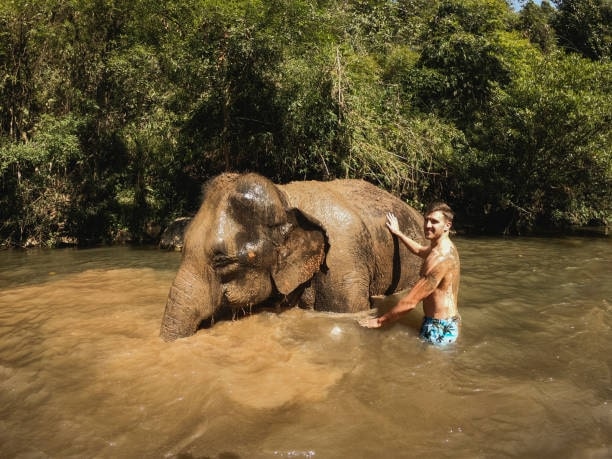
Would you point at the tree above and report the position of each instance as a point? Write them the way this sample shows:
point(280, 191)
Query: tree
point(544, 149)
point(463, 57)
point(535, 23)
point(114, 112)
point(585, 26)
point(38, 195)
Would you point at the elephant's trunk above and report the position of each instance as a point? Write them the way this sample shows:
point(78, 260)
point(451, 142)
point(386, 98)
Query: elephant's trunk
point(189, 302)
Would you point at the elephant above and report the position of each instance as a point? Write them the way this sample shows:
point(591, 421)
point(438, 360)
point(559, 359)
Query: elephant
point(172, 236)
point(313, 244)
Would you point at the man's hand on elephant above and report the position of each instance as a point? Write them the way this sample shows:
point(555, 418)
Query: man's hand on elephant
point(392, 223)
point(369, 322)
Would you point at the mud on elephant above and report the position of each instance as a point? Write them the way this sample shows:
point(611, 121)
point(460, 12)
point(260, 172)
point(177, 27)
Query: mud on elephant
point(319, 245)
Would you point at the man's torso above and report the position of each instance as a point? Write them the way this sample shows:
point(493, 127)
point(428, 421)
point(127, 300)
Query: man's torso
point(442, 261)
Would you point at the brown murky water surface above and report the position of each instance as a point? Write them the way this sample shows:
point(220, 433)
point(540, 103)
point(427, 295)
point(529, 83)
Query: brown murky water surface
point(84, 374)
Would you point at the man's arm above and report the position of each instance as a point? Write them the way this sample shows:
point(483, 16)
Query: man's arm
point(424, 287)
point(416, 248)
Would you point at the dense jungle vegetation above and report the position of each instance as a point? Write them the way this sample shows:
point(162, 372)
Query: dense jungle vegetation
point(114, 112)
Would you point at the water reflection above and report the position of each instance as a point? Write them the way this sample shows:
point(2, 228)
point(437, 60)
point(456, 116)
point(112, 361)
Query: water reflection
point(83, 373)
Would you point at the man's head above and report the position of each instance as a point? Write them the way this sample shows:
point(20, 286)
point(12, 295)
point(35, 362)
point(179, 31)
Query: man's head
point(438, 220)
point(441, 207)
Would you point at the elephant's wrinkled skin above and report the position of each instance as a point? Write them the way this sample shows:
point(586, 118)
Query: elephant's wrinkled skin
point(321, 245)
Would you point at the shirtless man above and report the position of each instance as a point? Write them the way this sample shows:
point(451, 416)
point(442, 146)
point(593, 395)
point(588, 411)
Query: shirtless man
point(438, 285)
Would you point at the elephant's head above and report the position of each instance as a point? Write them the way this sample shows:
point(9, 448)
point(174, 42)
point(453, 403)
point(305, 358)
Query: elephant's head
point(243, 247)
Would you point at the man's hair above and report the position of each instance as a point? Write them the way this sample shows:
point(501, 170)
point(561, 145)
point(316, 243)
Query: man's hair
point(442, 207)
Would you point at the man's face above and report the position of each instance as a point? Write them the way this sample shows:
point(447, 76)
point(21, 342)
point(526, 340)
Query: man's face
point(436, 225)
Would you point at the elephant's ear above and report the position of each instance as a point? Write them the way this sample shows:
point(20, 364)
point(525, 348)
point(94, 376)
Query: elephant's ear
point(300, 255)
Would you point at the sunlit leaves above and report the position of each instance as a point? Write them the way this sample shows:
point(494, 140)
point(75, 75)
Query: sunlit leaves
point(462, 51)
point(550, 144)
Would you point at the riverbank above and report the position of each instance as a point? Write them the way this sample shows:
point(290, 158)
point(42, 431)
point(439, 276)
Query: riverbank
point(171, 238)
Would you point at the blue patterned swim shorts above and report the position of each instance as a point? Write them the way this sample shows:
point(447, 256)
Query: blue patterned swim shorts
point(440, 331)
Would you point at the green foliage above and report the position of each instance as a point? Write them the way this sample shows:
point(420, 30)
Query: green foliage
point(545, 143)
point(386, 143)
point(585, 26)
point(462, 54)
point(37, 195)
point(535, 23)
point(113, 113)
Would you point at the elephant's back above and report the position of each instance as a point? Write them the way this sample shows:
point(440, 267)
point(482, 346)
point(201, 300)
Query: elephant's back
point(395, 268)
point(355, 199)
point(339, 202)
point(373, 204)
point(353, 214)
point(330, 205)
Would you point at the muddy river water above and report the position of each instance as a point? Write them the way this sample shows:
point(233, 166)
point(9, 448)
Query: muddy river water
point(83, 373)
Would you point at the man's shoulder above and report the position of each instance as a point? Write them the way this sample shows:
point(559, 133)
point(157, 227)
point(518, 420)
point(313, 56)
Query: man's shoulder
point(436, 259)
point(447, 248)
point(442, 248)
point(442, 254)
